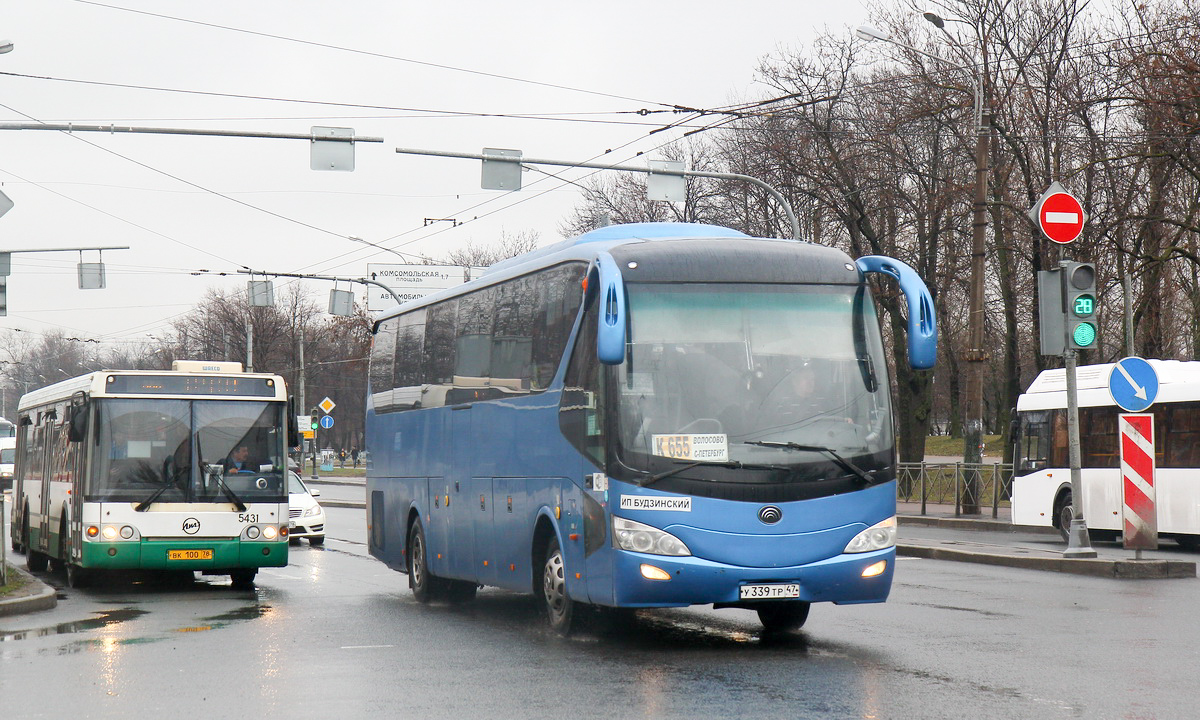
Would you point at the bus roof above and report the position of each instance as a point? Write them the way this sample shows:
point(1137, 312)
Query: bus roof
point(94, 384)
point(1178, 381)
point(620, 234)
point(584, 248)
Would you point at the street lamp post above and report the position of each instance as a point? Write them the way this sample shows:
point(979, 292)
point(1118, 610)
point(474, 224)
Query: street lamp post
point(397, 253)
point(975, 355)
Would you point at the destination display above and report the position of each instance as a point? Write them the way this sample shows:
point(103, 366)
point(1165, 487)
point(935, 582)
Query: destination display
point(190, 385)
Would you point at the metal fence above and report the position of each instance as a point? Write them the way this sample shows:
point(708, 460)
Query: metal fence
point(952, 483)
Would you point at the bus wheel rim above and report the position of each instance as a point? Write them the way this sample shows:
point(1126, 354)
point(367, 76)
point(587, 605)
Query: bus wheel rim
point(554, 584)
point(418, 560)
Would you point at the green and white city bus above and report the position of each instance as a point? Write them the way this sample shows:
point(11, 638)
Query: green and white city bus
point(157, 470)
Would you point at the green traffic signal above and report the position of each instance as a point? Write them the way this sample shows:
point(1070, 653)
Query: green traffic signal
point(1084, 334)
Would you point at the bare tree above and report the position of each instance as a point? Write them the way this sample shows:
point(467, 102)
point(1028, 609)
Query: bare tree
point(483, 255)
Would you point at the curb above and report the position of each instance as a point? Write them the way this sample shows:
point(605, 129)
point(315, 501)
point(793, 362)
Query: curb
point(972, 524)
point(339, 481)
point(1094, 567)
point(45, 598)
point(361, 505)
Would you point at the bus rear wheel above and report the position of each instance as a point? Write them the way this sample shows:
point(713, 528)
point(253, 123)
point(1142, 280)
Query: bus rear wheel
point(425, 585)
point(558, 604)
point(783, 616)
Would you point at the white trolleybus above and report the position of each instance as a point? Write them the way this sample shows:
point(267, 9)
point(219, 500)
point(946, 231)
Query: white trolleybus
point(181, 470)
point(1041, 489)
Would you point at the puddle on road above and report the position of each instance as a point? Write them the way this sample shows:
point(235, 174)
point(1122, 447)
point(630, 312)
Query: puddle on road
point(249, 612)
point(103, 619)
point(110, 618)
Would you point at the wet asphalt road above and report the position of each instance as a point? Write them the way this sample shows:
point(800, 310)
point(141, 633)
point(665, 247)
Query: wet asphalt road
point(337, 635)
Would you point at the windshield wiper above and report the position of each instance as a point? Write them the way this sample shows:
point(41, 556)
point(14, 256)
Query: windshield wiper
point(737, 465)
point(229, 493)
point(168, 483)
point(237, 501)
point(841, 461)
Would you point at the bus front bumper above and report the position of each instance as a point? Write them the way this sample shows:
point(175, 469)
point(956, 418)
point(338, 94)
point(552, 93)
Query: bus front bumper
point(843, 579)
point(184, 554)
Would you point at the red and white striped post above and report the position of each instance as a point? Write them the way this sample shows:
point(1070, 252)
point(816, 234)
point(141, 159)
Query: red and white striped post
point(1137, 481)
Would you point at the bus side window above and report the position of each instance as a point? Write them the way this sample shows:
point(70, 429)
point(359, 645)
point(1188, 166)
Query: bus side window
point(581, 410)
point(1177, 435)
point(1058, 439)
point(1035, 442)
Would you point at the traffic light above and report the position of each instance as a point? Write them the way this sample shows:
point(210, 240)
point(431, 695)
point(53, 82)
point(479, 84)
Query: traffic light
point(1079, 304)
point(316, 419)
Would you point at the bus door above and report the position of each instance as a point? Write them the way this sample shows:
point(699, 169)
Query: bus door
point(37, 484)
point(597, 545)
point(60, 469)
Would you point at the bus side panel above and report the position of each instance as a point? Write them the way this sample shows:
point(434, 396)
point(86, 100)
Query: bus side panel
point(437, 522)
point(481, 507)
point(1102, 498)
point(1033, 496)
point(513, 525)
point(390, 501)
point(1178, 508)
point(459, 505)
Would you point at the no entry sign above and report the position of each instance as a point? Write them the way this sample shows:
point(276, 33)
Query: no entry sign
point(1059, 215)
point(1137, 481)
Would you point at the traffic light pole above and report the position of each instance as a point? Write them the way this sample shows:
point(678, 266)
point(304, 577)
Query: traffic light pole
point(1078, 544)
point(316, 431)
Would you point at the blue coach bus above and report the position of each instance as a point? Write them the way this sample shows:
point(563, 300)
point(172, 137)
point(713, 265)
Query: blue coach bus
point(647, 415)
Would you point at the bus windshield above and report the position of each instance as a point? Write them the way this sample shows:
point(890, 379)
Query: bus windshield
point(764, 374)
point(151, 450)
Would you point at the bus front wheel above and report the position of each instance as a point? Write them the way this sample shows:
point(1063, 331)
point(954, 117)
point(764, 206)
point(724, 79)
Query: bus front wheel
point(1065, 512)
point(77, 577)
point(783, 616)
point(244, 578)
point(558, 604)
point(34, 560)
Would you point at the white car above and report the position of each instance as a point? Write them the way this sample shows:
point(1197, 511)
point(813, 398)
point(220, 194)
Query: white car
point(306, 517)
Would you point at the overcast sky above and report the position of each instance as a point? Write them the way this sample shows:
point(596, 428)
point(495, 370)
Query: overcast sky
point(419, 75)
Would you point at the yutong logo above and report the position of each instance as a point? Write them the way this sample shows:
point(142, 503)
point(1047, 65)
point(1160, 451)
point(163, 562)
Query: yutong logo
point(770, 514)
point(191, 526)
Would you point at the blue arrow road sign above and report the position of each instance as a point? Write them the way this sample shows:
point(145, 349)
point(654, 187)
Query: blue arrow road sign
point(1133, 384)
point(327, 421)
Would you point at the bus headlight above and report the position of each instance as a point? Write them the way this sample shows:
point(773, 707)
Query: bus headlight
point(630, 535)
point(269, 532)
point(879, 536)
point(252, 532)
point(109, 532)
